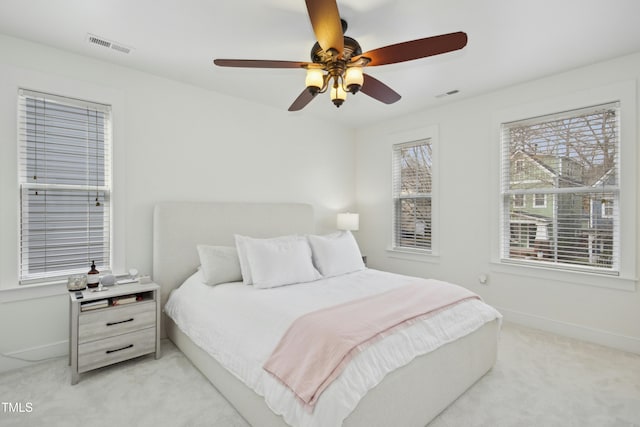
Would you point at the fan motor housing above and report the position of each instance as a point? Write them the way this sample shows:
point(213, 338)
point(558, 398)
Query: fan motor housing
point(351, 48)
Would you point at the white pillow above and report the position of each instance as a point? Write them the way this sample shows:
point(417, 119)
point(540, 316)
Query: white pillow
point(278, 261)
point(245, 268)
point(335, 254)
point(220, 264)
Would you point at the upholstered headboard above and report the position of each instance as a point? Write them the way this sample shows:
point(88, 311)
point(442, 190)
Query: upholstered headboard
point(179, 226)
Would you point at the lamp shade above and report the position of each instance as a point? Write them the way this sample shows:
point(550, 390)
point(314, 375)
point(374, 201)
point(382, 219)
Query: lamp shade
point(353, 79)
point(314, 78)
point(348, 221)
point(338, 93)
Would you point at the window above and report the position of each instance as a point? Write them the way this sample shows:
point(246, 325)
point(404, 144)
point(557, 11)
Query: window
point(412, 195)
point(539, 200)
point(607, 208)
point(65, 186)
point(519, 200)
point(569, 163)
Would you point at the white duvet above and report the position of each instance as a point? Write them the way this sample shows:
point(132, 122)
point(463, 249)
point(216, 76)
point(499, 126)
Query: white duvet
point(239, 326)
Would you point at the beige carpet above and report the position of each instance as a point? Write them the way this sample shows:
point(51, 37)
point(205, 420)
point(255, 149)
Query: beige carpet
point(540, 379)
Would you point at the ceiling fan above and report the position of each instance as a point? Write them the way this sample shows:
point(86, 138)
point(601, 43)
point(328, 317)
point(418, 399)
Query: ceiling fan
point(338, 62)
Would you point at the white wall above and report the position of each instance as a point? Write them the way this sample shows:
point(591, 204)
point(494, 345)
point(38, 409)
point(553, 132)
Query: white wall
point(177, 142)
point(468, 186)
point(172, 141)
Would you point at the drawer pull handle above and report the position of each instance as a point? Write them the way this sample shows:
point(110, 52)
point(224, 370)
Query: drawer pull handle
point(119, 349)
point(122, 321)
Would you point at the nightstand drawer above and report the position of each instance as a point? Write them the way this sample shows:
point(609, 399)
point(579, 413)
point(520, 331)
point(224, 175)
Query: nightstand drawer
point(114, 321)
point(104, 352)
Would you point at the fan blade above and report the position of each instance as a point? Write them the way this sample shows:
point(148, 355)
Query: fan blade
point(302, 100)
point(325, 20)
point(258, 63)
point(416, 49)
point(378, 90)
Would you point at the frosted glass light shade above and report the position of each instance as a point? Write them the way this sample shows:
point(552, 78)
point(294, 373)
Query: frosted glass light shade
point(337, 92)
point(348, 221)
point(353, 76)
point(315, 78)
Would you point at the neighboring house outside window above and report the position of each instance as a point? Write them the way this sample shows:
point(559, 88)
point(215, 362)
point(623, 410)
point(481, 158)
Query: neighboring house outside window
point(412, 195)
point(65, 186)
point(569, 164)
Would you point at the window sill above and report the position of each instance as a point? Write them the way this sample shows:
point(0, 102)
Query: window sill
point(416, 255)
point(574, 277)
point(27, 292)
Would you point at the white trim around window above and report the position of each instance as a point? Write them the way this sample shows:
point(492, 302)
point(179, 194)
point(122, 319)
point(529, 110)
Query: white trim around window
point(430, 134)
point(539, 200)
point(65, 149)
point(626, 275)
point(10, 290)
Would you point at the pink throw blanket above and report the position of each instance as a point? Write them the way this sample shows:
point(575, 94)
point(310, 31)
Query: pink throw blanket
point(317, 346)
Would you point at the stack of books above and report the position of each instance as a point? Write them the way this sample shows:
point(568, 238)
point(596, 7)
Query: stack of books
point(94, 305)
point(126, 299)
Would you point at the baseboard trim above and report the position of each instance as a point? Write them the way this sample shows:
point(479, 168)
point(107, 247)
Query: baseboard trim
point(597, 336)
point(29, 356)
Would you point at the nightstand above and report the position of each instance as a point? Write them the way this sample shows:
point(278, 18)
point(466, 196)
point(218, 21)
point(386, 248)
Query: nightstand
point(117, 324)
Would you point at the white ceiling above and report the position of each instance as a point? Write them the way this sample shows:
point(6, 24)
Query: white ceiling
point(510, 41)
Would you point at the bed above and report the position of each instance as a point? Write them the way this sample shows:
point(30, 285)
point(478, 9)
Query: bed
point(410, 395)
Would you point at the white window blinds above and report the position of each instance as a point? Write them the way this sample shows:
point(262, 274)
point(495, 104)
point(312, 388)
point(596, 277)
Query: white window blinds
point(412, 176)
point(560, 189)
point(65, 186)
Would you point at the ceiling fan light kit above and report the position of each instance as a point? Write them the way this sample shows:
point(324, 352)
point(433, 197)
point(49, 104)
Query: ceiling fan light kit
point(338, 76)
point(338, 62)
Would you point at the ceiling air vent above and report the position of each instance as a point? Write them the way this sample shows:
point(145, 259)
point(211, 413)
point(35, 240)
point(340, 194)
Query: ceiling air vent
point(120, 48)
point(109, 44)
point(451, 92)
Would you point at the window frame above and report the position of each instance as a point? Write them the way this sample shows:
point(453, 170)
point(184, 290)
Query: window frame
point(542, 205)
point(418, 198)
point(558, 235)
point(104, 188)
point(625, 93)
point(607, 206)
point(432, 255)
